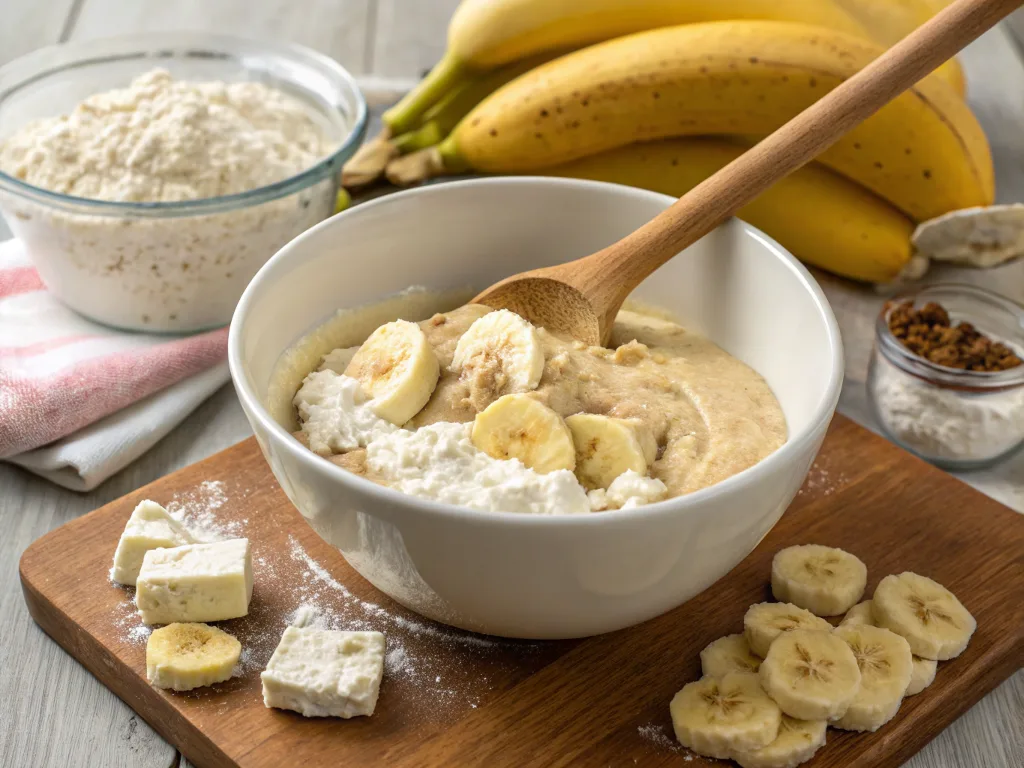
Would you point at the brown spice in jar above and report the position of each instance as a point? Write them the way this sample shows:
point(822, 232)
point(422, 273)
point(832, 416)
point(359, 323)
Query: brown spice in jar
point(928, 333)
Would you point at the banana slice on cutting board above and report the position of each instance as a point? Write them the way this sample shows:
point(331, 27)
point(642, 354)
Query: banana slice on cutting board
point(824, 580)
point(606, 447)
point(719, 716)
point(520, 427)
point(934, 623)
point(796, 743)
point(397, 369)
point(923, 669)
point(763, 622)
point(886, 668)
point(859, 614)
point(186, 656)
point(811, 674)
point(922, 675)
point(500, 354)
point(728, 654)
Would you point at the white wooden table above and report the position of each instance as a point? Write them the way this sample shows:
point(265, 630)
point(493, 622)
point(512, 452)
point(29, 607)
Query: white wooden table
point(55, 714)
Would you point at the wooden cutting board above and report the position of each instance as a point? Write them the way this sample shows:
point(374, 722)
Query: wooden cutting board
point(454, 699)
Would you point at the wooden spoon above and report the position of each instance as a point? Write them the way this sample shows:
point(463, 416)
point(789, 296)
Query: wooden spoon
point(581, 298)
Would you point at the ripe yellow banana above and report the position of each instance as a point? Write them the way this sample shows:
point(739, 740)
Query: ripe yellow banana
point(820, 217)
point(485, 34)
point(924, 152)
point(488, 33)
point(440, 119)
point(889, 21)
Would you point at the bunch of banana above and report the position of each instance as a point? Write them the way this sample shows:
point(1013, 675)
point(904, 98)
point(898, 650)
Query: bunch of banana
point(889, 21)
point(492, 36)
point(924, 152)
point(768, 696)
point(821, 217)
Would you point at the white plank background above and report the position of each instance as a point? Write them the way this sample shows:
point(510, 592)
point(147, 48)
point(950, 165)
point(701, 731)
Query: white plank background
point(55, 713)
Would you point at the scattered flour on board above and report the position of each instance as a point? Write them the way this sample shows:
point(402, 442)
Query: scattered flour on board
point(127, 619)
point(373, 611)
point(820, 482)
point(196, 509)
point(659, 736)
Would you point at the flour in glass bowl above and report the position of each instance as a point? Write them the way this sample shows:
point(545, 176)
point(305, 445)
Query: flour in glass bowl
point(160, 140)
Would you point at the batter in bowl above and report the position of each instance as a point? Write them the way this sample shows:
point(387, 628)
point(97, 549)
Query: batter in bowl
point(533, 422)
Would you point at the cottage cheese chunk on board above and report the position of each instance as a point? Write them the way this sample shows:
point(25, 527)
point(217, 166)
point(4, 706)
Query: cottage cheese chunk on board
point(150, 527)
point(325, 673)
point(196, 582)
point(451, 698)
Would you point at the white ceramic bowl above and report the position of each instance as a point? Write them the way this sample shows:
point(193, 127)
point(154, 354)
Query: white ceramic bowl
point(535, 576)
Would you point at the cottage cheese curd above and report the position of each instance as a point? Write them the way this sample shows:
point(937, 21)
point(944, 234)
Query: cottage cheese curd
point(440, 462)
point(149, 527)
point(437, 462)
point(325, 673)
point(628, 490)
point(195, 582)
point(334, 414)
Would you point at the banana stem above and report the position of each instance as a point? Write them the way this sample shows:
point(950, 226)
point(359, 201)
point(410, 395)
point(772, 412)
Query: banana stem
point(406, 113)
point(416, 168)
point(367, 164)
point(451, 158)
point(427, 135)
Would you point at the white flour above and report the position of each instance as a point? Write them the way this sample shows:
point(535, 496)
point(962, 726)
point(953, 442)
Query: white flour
point(660, 736)
point(943, 423)
point(196, 509)
point(158, 141)
point(163, 140)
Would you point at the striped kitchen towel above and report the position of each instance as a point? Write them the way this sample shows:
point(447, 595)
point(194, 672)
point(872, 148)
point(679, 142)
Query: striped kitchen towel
point(79, 401)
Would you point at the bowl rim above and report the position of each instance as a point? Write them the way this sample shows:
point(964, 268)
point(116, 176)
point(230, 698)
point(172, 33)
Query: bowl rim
point(165, 45)
point(794, 445)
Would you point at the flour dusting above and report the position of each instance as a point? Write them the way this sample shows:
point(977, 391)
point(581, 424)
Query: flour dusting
point(659, 736)
point(196, 509)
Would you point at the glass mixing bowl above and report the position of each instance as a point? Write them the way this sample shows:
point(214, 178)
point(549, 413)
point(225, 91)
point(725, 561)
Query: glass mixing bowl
point(169, 266)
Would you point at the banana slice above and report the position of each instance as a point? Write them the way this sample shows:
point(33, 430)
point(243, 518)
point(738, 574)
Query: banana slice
point(824, 580)
point(519, 427)
point(728, 654)
point(764, 622)
point(796, 743)
point(811, 674)
point(922, 676)
point(859, 614)
point(928, 615)
point(500, 354)
point(719, 716)
point(886, 667)
point(605, 448)
point(397, 369)
point(186, 656)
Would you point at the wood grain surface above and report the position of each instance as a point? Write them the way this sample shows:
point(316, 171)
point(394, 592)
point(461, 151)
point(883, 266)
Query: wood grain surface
point(459, 699)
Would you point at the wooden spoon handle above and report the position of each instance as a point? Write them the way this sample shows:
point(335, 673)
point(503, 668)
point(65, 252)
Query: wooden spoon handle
point(615, 271)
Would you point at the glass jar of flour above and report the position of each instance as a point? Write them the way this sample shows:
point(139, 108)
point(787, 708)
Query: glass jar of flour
point(956, 419)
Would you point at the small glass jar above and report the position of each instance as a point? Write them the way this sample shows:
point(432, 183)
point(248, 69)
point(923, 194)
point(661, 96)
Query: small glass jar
point(955, 419)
